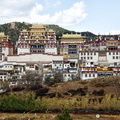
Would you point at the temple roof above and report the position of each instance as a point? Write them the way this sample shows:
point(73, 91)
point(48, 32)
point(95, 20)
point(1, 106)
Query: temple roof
point(37, 26)
point(2, 34)
point(72, 36)
point(24, 30)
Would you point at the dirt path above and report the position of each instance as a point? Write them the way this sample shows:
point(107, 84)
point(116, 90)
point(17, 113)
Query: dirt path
point(40, 116)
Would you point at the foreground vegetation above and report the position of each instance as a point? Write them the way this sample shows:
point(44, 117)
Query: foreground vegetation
point(74, 100)
point(100, 94)
point(31, 103)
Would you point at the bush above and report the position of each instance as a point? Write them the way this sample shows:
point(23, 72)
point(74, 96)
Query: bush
point(17, 88)
point(110, 103)
point(42, 91)
point(98, 93)
point(54, 94)
point(81, 91)
point(65, 115)
point(35, 87)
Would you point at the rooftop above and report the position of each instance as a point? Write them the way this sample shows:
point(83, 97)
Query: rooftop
point(37, 26)
point(72, 36)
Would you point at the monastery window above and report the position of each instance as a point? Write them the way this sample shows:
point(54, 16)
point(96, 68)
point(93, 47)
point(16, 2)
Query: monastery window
point(113, 53)
point(91, 53)
point(81, 53)
point(85, 75)
point(81, 58)
point(34, 51)
point(84, 53)
point(88, 53)
point(72, 46)
point(109, 53)
point(72, 51)
point(89, 75)
point(88, 58)
point(84, 58)
point(113, 57)
point(116, 57)
point(116, 53)
point(65, 75)
point(94, 53)
point(91, 58)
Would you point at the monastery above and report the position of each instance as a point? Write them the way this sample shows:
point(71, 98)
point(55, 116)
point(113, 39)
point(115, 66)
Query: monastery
point(76, 56)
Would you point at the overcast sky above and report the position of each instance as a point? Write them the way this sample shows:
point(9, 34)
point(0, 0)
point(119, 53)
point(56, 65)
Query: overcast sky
point(97, 16)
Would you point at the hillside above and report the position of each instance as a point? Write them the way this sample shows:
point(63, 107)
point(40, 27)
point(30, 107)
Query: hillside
point(100, 94)
point(13, 30)
point(94, 88)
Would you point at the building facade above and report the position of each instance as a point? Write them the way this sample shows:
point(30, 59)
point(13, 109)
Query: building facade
point(71, 44)
point(37, 40)
point(6, 47)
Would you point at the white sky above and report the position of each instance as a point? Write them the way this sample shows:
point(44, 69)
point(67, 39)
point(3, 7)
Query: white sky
point(97, 16)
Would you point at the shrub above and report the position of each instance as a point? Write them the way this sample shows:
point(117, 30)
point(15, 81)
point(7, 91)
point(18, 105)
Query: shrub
point(80, 91)
point(42, 91)
point(18, 88)
point(35, 87)
point(65, 115)
point(110, 103)
point(98, 93)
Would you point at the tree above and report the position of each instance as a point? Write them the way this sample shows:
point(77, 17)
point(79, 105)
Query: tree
point(65, 115)
point(33, 78)
point(4, 85)
point(57, 78)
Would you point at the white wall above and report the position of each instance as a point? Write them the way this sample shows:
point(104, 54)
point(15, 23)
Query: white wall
point(51, 50)
point(23, 50)
point(5, 51)
point(57, 66)
point(34, 57)
point(89, 76)
point(4, 77)
point(113, 57)
point(8, 67)
point(89, 56)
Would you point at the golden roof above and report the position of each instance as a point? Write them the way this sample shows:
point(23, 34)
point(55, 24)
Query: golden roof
point(37, 26)
point(24, 30)
point(2, 34)
point(51, 30)
point(72, 36)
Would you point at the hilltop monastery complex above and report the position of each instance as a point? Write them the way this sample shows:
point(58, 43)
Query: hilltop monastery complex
point(73, 54)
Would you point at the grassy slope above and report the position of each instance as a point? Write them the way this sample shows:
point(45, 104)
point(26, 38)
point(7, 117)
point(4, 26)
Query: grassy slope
point(95, 88)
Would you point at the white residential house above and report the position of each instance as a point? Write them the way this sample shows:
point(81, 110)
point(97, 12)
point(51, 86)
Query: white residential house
point(89, 56)
point(4, 76)
point(57, 64)
point(31, 66)
point(88, 73)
